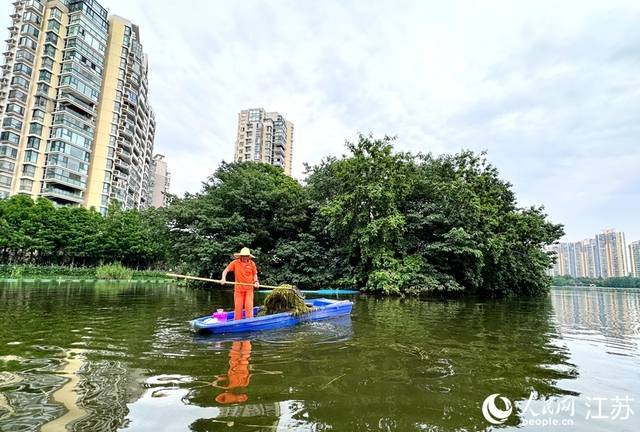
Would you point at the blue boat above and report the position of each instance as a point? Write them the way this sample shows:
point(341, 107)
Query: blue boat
point(321, 308)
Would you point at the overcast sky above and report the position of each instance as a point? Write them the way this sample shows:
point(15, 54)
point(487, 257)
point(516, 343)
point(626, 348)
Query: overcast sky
point(550, 89)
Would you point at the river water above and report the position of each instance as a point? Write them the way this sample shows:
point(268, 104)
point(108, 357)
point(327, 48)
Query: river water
point(121, 357)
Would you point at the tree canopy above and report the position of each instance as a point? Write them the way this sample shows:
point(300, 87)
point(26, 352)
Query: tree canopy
point(382, 221)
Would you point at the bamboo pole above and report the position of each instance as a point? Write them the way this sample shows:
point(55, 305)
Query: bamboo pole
point(217, 281)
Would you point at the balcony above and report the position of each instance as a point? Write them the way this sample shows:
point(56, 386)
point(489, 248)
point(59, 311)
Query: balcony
point(122, 166)
point(52, 177)
point(54, 192)
point(71, 99)
point(35, 6)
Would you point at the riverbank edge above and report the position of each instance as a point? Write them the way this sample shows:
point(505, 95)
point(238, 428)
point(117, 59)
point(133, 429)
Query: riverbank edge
point(87, 279)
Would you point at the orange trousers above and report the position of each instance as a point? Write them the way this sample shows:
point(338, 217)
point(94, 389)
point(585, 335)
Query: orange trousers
point(243, 300)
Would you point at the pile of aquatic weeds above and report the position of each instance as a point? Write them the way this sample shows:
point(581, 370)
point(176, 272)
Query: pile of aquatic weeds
point(284, 298)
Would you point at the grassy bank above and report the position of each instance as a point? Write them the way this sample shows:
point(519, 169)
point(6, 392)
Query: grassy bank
point(104, 272)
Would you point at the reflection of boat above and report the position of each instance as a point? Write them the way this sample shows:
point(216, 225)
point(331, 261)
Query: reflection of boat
point(321, 309)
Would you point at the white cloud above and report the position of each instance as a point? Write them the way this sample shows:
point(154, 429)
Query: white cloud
point(550, 89)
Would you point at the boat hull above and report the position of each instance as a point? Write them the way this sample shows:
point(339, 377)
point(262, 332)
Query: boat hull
point(321, 309)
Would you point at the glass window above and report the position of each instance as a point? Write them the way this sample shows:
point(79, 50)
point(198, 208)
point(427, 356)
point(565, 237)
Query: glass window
point(27, 43)
point(25, 55)
point(45, 76)
point(18, 94)
point(26, 185)
point(28, 170)
point(21, 67)
point(15, 108)
point(53, 25)
point(31, 156)
point(56, 13)
point(10, 137)
point(7, 166)
point(30, 30)
point(33, 17)
point(51, 37)
point(43, 88)
point(13, 123)
point(20, 82)
point(8, 151)
point(33, 142)
point(41, 102)
point(38, 114)
point(49, 50)
point(47, 63)
point(35, 128)
point(5, 180)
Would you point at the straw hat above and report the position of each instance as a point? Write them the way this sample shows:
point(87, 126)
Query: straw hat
point(243, 252)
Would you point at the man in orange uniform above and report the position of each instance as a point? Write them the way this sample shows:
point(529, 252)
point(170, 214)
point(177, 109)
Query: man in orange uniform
point(245, 272)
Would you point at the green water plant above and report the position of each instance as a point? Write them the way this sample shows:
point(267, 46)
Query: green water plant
point(113, 271)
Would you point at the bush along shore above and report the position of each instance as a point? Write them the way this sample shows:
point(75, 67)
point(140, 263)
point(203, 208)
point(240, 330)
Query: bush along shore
point(612, 282)
point(114, 271)
point(386, 222)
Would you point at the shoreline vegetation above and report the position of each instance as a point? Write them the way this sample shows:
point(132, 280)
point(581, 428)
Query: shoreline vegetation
point(113, 272)
point(390, 223)
point(613, 282)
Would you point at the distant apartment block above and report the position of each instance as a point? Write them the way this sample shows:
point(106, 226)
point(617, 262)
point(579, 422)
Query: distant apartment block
point(160, 179)
point(264, 137)
point(634, 255)
point(603, 256)
point(76, 123)
point(612, 252)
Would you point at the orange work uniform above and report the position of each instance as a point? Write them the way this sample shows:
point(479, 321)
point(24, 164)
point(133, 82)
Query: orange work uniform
point(246, 273)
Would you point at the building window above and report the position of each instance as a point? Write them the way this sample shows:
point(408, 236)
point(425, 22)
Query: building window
point(35, 128)
point(12, 123)
point(25, 55)
point(18, 94)
point(27, 43)
point(47, 63)
point(20, 82)
point(53, 25)
point(26, 185)
point(56, 13)
point(43, 88)
point(21, 67)
point(5, 180)
point(28, 170)
point(49, 50)
point(33, 143)
point(31, 156)
point(30, 30)
point(51, 38)
point(45, 76)
point(10, 137)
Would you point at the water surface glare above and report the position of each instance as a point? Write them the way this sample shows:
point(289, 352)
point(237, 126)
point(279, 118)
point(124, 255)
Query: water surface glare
point(121, 357)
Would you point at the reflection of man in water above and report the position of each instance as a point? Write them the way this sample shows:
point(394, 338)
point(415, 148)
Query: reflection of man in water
point(238, 375)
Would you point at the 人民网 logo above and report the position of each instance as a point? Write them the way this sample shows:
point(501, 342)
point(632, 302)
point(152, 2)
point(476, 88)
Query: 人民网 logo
point(492, 413)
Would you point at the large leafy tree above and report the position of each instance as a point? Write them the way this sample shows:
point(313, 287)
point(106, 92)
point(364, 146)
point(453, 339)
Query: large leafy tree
point(246, 204)
point(407, 224)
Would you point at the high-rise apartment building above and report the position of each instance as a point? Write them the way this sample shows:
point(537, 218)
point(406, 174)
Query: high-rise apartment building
point(612, 251)
point(604, 256)
point(264, 137)
point(634, 255)
point(76, 124)
point(160, 180)
point(589, 258)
